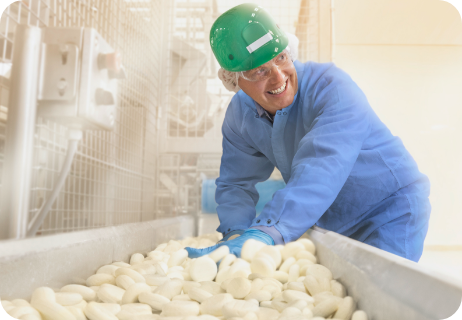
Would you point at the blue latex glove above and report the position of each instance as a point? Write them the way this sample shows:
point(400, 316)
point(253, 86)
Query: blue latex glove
point(235, 245)
point(232, 235)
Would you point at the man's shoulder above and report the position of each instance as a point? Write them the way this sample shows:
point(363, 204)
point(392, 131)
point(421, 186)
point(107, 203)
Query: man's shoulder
point(313, 72)
point(318, 77)
point(238, 108)
point(239, 105)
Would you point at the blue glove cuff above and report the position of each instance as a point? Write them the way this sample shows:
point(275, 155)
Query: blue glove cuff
point(196, 253)
point(259, 236)
point(234, 245)
point(272, 232)
point(232, 233)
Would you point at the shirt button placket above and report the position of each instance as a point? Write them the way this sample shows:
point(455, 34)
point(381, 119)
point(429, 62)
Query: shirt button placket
point(277, 142)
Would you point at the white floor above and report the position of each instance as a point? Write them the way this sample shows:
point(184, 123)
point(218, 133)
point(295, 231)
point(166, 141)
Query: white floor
point(445, 260)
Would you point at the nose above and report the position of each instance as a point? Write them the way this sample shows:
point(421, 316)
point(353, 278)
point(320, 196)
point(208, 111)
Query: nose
point(277, 74)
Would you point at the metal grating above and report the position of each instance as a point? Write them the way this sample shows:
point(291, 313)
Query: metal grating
point(171, 107)
point(113, 176)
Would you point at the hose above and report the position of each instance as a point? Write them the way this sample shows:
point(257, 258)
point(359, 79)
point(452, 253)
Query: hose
point(74, 137)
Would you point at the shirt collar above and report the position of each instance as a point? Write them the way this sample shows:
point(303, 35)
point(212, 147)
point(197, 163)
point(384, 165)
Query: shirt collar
point(261, 112)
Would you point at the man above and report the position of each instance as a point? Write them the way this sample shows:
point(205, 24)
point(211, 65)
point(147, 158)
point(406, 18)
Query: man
point(343, 168)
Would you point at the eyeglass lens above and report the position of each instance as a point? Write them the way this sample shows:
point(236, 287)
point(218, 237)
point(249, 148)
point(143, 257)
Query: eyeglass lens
point(264, 72)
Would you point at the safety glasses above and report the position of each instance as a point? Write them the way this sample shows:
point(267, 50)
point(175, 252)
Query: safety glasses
point(282, 61)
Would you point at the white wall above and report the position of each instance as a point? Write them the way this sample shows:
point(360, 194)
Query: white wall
point(407, 57)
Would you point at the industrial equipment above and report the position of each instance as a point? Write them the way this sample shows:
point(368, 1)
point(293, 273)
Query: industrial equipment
point(148, 148)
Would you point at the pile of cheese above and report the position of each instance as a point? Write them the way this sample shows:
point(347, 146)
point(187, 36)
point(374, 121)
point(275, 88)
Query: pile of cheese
point(266, 283)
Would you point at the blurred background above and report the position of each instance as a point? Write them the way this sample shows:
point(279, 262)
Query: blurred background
point(159, 153)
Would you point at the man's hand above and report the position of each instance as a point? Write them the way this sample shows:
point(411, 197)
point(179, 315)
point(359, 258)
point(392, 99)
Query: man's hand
point(232, 235)
point(234, 245)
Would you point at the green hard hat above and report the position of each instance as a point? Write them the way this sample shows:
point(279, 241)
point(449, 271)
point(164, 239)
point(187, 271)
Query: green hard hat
point(245, 37)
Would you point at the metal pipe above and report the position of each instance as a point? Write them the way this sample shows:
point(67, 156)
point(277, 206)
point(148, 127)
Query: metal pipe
point(37, 220)
point(20, 128)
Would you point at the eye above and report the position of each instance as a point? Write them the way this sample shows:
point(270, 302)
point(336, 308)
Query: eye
point(260, 71)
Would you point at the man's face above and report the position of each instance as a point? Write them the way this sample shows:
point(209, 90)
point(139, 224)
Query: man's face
point(270, 92)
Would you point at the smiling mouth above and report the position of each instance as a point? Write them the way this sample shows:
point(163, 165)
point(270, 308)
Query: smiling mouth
point(280, 89)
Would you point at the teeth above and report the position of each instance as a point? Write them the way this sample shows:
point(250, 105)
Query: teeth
point(279, 90)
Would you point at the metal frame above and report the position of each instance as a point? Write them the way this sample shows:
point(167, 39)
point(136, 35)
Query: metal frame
point(114, 178)
point(19, 146)
point(386, 286)
point(60, 259)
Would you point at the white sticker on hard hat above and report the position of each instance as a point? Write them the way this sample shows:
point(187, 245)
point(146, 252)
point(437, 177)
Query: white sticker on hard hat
point(259, 42)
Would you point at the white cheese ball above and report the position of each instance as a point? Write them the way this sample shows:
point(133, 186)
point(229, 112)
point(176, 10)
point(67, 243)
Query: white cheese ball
point(239, 287)
point(203, 269)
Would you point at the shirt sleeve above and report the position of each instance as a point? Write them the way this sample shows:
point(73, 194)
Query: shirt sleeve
point(324, 159)
point(242, 167)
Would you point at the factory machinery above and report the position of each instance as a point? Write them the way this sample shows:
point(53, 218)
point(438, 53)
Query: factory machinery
point(117, 108)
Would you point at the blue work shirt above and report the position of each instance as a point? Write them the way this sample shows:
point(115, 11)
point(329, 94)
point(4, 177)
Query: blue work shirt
point(343, 168)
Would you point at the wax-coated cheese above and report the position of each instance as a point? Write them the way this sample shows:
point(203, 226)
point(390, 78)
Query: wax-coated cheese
point(128, 311)
point(272, 252)
point(123, 281)
point(214, 304)
point(136, 276)
point(188, 285)
point(287, 264)
point(68, 298)
point(263, 266)
point(156, 301)
point(261, 295)
point(319, 271)
point(337, 289)
point(212, 287)
point(295, 285)
point(170, 289)
point(177, 258)
point(199, 295)
point(203, 269)
point(86, 293)
point(227, 261)
point(326, 307)
point(180, 309)
point(109, 293)
point(19, 311)
point(359, 315)
point(108, 269)
point(292, 295)
point(308, 244)
point(78, 313)
point(131, 294)
point(291, 249)
point(97, 311)
point(266, 283)
point(250, 248)
point(136, 258)
point(281, 276)
point(44, 300)
point(345, 309)
point(99, 279)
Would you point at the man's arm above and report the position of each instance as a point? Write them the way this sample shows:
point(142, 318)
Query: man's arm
point(324, 159)
point(242, 166)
